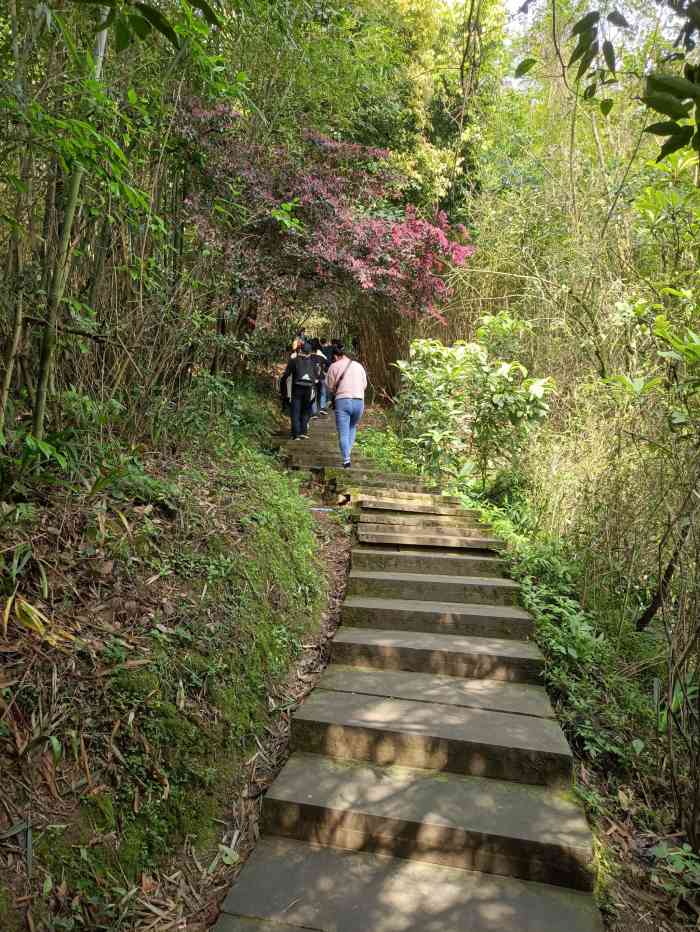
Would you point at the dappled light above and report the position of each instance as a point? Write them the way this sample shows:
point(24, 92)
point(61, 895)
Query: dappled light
point(349, 466)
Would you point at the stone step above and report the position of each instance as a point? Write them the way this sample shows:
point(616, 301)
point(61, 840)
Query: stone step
point(475, 590)
point(444, 654)
point(471, 823)
point(398, 520)
point(313, 443)
point(436, 562)
point(357, 481)
point(517, 698)
point(301, 454)
point(498, 621)
point(288, 885)
point(424, 498)
point(430, 736)
point(380, 534)
point(434, 507)
point(318, 427)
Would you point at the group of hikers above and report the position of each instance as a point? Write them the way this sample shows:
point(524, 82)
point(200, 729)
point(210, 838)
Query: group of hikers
point(319, 374)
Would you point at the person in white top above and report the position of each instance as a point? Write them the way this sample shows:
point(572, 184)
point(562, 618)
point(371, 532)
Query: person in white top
point(346, 379)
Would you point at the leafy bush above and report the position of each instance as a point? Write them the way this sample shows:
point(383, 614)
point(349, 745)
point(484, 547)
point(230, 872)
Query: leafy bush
point(387, 449)
point(458, 402)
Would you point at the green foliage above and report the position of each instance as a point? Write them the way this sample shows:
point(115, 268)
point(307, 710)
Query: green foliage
point(459, 402)
point(388, 449)
point(677, 870)
point(604, 711)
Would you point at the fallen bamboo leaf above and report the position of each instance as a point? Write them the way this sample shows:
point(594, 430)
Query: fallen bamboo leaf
point(6, 612)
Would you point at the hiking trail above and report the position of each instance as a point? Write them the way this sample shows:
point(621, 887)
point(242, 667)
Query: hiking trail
point(429, 784)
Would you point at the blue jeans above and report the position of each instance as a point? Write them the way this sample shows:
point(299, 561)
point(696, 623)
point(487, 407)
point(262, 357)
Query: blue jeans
point(348, 412)
point(322, 396)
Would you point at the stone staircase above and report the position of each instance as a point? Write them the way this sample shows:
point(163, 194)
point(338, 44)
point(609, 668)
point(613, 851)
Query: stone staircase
point(428, 789)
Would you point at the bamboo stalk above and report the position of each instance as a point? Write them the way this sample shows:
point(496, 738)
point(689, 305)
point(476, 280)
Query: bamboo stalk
point(60, 273)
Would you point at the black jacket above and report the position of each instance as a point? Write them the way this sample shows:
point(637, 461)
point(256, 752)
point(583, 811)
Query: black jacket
point(290, 381)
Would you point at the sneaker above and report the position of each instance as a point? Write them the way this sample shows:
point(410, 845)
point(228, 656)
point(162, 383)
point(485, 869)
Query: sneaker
point(303, 437)
point(323, 413)
point(347, 465)
point(296, 438)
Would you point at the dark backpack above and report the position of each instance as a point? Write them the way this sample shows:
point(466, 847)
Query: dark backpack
point(306, 372)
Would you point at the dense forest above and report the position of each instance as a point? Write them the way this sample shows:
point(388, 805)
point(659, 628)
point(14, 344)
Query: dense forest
point(500, 207)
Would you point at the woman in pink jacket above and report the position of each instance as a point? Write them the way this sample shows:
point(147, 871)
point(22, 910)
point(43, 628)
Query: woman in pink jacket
point(346, 379)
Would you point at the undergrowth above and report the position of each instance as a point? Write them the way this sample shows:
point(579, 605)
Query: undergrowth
point(175, 586)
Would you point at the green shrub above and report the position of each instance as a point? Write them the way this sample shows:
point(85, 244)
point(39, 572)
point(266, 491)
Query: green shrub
point(460, 405)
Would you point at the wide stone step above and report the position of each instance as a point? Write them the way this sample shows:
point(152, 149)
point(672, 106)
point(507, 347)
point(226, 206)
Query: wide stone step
point(495, 695)
point(471, 823)
point(301, 455)
point(329, 446)
point(434, 507)
point(475, 590)
point(289, 885)
point(370, 473)
point(443, 538)
point(445, 654)
point(402, 519)
point(422, 498)
point(432, 737)
point(356, 481)
point(499, 621)
point(432, 562)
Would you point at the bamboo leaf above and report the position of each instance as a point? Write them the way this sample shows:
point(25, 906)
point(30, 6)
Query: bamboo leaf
point(584, 43)
point(159, 22)
point(123, 35)
point(678, 141)
point(609, 55)
point(666, 128)
point(6, 612)
point(587, 60)
point(674, 85)
point(668, 105)
point(606, 106)
point(56, 749)
point(525, 65)
point(141, 27)
point(617, 19)
point(586, 23)
point(209, 14)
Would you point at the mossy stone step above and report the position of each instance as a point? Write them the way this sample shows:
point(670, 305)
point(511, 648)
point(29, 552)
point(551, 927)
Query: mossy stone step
point(436, 562)
point(290, 885)
point(444, 654)
point(433, 737)
point(498, 621)
point(472, 823)
point(481, 590)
